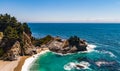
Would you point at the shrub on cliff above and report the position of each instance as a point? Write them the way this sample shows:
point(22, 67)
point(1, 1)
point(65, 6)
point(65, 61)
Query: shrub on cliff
point(26, 29)
point(39, 42)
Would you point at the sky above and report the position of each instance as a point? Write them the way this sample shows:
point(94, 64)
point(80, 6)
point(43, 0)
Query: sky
point(62, 10)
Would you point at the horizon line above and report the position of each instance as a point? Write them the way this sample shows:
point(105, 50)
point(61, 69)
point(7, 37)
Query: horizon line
point(75, 22)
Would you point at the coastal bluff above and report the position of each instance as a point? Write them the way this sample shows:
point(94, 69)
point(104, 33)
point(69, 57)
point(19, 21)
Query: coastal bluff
point(15, 38)
point(16, 50)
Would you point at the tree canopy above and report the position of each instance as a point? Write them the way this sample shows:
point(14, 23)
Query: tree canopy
point(12, 31)
point(11, 28)
point(74, 41)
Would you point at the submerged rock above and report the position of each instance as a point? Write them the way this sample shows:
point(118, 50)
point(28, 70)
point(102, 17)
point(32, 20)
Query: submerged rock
point(105, 63)
point(77, 66)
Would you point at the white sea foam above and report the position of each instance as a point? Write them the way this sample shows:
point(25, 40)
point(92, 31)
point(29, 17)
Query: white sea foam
point(30, 60)
point(91, 47)
point(99, 63)
point(62, 54)
point(73, 65)
point(70, 66)
point(110, 53)
point(106, 52)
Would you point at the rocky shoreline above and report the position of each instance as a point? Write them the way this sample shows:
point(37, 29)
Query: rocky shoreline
point(57, 45)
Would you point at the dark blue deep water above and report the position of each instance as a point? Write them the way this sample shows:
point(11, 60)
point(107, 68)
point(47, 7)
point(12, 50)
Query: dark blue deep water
point(103, 37)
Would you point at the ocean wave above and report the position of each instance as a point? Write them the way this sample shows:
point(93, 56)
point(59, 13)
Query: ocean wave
point(91, 47)
point(63, 54)
point(78, 66)
point(106, 52)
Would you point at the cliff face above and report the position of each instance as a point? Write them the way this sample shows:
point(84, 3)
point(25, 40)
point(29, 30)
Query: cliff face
point(1, 36)
point(28, 47)
point(16, 49)
point(13, 53)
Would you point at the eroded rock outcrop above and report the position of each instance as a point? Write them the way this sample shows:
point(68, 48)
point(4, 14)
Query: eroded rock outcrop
point(64, 46)
point(1, 36)
point(28, 47)
point(14, 48)
point(13, 53)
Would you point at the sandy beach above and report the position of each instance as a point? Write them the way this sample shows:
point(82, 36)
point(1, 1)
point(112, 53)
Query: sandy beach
point(8, 65)
point(12, 65)
point(22, 64)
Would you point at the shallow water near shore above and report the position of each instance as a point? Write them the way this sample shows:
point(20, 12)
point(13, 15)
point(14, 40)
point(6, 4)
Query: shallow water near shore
point(103, 54)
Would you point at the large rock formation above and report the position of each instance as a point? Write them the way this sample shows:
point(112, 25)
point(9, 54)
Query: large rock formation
point(1, 36)
point(63, 46)
point(13, 53)
point(28, 47)
point(14, 50)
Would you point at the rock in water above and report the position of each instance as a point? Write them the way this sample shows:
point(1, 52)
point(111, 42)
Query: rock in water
point(64, 46)
point(79, 66)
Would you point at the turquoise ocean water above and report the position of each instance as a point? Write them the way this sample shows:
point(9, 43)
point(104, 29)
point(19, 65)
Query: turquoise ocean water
point(104, 40)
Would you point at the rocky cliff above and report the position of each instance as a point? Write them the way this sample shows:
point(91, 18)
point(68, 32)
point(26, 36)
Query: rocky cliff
point(15, 38)
point(64, 46)
point(28, 47)
point(13, 53)
point(1, 36)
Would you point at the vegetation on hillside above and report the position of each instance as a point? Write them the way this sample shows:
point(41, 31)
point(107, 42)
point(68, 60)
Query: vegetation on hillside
point(12, 31)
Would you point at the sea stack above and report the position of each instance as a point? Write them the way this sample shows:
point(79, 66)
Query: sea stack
point(71, 45)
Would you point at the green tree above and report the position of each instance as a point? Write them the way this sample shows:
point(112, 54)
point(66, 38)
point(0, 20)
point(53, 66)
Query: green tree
point(26, 29)
point(11, 33)
point(74, 41)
